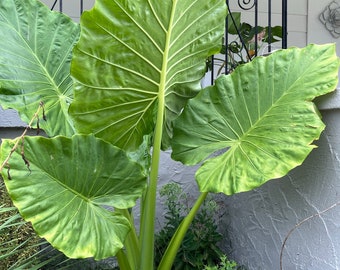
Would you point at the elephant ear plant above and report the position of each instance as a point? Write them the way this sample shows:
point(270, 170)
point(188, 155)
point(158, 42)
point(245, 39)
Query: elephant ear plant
point(124, 90)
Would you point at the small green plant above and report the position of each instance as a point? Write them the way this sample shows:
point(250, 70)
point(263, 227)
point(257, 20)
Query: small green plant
point(241, 46)
point(224, 264)
point(200, 245)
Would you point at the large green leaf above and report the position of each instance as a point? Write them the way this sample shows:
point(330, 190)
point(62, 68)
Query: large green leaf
point(234, 22)
point(35, 55)
point(72, 183)
point(133, 55)
point(263, 113)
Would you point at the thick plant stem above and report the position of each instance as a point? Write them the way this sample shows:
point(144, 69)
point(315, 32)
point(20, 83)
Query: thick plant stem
point(123, 261)
point(149, 205)
point(131, 242)
point(176, 240)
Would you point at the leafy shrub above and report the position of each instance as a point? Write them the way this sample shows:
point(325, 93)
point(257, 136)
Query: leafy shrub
point(225, 264)
point(200, 245)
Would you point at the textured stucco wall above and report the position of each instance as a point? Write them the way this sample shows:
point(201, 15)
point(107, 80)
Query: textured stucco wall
point(255, 224)
point(9, 118)
point(258, 221)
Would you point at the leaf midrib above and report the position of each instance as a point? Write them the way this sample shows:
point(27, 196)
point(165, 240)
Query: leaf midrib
point(164, 73)
point(273, 105)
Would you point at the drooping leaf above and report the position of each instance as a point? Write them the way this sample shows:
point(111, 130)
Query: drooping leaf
point(71, 184)
point(134, 55)
point(35, 55)
point(262, 113)
point(142, 155)
point(275, 34)
point(234, 22)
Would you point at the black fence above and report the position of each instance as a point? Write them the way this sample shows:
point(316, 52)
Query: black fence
point(58, 6)
point(246, 39)
point(243, 40)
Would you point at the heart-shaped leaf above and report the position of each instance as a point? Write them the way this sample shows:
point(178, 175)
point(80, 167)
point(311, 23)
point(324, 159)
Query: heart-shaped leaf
point(35, 55)
point(263, 113)
point(137, 57)
point(68, 188)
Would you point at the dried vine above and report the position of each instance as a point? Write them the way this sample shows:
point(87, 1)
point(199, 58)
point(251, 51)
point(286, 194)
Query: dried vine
point(5, 163)
point(299, 224)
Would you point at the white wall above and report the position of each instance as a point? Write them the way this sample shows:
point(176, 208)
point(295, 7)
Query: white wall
point(297, 17)
point(70, 7)
point(319, 34)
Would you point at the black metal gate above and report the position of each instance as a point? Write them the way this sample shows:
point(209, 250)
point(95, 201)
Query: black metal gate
point(242, 40)
point(250, 36)
point(58, 5)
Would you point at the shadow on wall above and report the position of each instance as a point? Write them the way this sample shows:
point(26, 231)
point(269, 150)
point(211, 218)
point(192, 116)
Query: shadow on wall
point(10, 118)
point(257, 222)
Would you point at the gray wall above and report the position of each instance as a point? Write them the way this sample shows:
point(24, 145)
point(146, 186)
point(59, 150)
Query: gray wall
point(258, 221)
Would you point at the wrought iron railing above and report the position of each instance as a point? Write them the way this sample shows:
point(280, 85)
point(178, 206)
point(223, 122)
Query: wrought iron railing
point(227, 61)
point(58, 5)
point(237, 52)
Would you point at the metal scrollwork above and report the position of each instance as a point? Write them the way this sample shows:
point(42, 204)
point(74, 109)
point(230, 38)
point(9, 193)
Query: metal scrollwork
point(54, 4)
point(246, 4)
point(330, 17)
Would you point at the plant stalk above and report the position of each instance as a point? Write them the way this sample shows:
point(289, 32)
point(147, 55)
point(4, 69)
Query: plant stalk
point(171, 251)
point(149, 206)
point(123, 261)
point(131, 242)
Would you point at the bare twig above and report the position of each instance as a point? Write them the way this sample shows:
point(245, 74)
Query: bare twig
point(43, 110)
point(8, 169)
point(299, 224)
point(21, 138)
point(23, 154)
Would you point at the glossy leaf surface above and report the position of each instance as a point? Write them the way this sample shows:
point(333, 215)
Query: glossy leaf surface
point(66, 195)
point(133, 56)
point(262, 113)
point(35, 55)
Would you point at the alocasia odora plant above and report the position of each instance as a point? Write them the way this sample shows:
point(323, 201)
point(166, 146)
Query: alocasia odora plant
point(135, 66)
